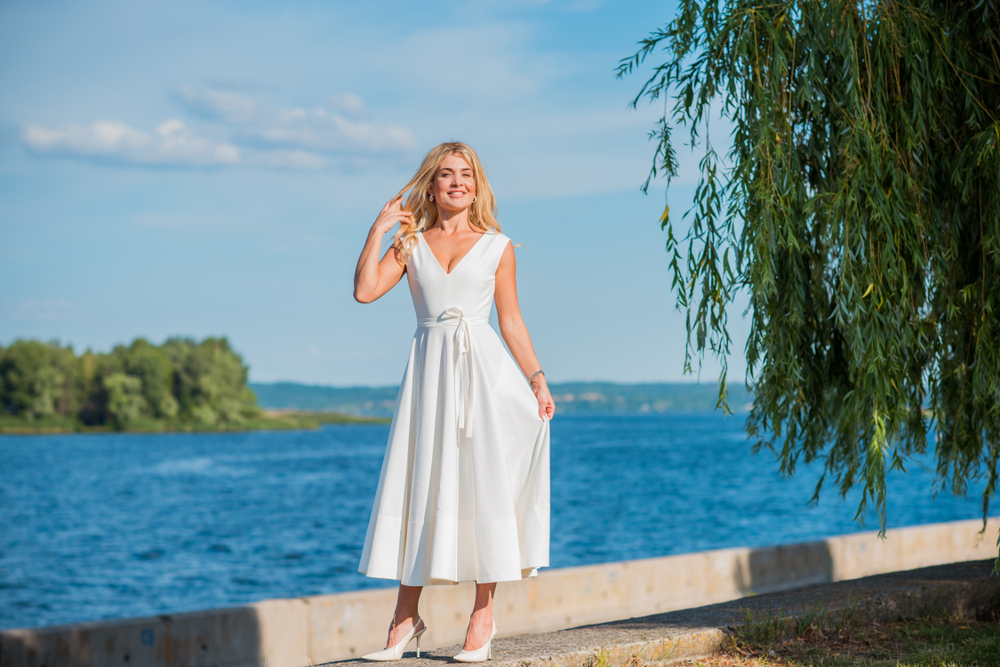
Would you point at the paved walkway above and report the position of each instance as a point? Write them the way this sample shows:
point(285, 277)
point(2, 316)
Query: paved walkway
point(960, 588)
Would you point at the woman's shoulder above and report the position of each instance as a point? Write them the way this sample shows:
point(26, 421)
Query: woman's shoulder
point(494, 245)
point(497, 239)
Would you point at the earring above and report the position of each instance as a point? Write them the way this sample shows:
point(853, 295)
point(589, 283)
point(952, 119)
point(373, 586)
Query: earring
point(432, 197)
point(474, 199)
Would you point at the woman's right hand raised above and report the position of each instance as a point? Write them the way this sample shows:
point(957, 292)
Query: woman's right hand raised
point(374, 277)
point(391, 214)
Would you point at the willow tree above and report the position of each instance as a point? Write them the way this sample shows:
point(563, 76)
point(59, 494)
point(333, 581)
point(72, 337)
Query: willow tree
point(859, 208)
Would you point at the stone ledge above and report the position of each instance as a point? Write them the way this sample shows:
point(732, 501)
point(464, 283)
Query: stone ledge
point(326, 628)
point(960, 589)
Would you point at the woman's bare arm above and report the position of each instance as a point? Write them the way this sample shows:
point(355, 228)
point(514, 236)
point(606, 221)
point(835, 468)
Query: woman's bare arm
point(372, 277)
point(515, 333)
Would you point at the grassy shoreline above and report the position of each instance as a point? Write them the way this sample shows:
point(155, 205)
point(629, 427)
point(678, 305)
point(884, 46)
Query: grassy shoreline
point(929, 641)
point(273, 420)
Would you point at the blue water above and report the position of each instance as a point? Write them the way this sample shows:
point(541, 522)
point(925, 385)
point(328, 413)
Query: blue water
point(106, 526)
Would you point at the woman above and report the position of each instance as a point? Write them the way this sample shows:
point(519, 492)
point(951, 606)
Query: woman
point(464, 489)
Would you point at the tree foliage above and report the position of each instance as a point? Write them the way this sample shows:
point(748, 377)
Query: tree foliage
point(860, 210)
point(203, 383)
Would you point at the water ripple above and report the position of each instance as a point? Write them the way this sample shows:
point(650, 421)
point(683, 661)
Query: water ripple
point(104, 526)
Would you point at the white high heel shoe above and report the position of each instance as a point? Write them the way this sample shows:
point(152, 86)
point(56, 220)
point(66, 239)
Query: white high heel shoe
point(396, 652)
point(484, 652)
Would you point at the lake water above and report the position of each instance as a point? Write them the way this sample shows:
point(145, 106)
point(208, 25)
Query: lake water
point(107, 526)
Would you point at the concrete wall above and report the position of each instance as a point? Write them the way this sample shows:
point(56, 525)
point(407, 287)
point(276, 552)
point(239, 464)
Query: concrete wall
point(310, 630)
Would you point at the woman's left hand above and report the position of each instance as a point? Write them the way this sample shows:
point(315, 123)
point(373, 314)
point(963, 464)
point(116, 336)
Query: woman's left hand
point(546, 406)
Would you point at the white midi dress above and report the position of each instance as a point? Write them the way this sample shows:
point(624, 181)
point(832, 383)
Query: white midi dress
point(464, 489)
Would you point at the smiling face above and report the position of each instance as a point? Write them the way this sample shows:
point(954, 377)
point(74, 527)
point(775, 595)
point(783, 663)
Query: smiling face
point(454, 185)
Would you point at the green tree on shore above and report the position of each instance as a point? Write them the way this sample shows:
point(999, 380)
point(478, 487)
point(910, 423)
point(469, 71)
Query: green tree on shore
point(210, 380)
point(152, 366)
point(125, 403)
point(36, 379)
point(184, 381)
point(860, 210)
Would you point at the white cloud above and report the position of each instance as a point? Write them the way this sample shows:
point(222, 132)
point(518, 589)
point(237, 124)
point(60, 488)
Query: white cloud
point(258, 135)
point(216, 104)
point(319, 129)
point(341, 129)
point(172, 143)
point(349, 104)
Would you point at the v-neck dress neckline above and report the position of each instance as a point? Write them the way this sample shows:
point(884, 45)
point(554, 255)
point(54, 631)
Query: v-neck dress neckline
point(457, 264)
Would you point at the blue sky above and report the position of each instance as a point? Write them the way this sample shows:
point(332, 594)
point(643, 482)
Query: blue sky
point(212, 168)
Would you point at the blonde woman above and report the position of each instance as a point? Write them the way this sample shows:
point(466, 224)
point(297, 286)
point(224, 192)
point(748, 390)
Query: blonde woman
point(464, 489)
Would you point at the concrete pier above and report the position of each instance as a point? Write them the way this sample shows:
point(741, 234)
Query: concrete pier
point(311, 630)
point(959, 589)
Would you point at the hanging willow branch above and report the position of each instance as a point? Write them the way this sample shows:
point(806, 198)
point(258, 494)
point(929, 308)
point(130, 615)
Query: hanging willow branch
point(862, 216)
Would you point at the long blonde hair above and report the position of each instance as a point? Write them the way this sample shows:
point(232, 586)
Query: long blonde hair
point(482, 213)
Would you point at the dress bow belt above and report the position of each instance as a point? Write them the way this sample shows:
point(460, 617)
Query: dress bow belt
point(455, 317)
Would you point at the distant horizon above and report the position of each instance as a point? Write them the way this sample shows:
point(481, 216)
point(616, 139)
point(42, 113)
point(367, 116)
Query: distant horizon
point(251, 380)
point(570, 397)
point(553, 383)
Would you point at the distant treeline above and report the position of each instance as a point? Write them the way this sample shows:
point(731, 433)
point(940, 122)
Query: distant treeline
point(584, 397)
point(190, 385)
point(182, 381)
